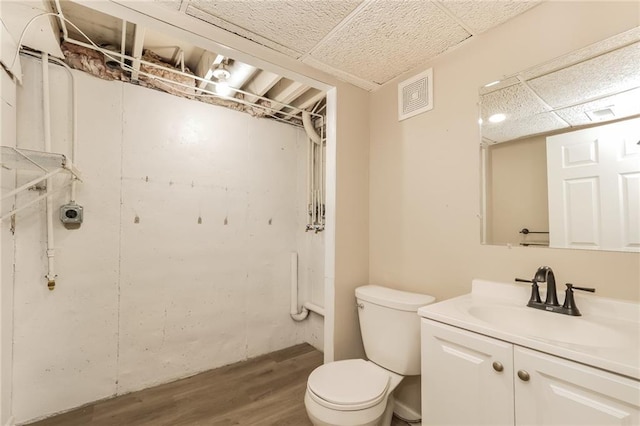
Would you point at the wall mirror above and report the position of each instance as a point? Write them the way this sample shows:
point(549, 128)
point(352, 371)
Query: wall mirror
point(560, 151)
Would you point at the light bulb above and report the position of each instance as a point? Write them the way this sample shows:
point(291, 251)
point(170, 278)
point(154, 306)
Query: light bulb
point(497, 118)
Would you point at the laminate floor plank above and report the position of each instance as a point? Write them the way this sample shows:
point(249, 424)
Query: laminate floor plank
point(267, 390)
point(264, 391)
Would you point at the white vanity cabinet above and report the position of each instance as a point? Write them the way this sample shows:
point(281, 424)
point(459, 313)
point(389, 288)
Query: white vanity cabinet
point(472, 379)
point(460, 381)
point(562, 392)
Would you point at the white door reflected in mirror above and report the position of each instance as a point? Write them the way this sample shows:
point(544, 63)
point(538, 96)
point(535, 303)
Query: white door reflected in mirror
point(593, 178)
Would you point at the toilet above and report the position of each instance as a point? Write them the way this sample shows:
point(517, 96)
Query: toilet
point(358, 392)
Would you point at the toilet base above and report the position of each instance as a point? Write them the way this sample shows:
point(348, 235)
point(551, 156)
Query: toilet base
point(374, 416)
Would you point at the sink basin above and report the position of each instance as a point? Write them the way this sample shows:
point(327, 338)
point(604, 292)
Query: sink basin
point(607, 336)
point(560, 329)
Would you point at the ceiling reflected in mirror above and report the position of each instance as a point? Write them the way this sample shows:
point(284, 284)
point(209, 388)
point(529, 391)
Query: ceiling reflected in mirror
point(593, 85)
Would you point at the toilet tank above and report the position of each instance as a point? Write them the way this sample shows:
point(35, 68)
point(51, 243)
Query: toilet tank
point(390, 327)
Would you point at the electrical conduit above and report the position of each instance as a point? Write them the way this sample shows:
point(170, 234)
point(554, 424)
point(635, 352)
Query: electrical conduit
point(46, 109)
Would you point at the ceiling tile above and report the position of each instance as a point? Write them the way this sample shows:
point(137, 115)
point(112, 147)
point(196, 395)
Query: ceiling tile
point(387, 38)
point(515, 101)
point(214, 20)
point(479, 16)
point(606, 74)
point(297, 25)
point(612, 43)
point(623, 105)
point(525, 126)
point(171, 4)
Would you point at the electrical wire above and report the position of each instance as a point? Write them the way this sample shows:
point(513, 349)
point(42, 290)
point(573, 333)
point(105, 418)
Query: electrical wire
point(24, 31)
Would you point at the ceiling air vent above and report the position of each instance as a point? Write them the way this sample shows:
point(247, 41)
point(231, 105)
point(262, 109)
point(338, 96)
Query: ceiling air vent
point(602, 114)
point(415, 95)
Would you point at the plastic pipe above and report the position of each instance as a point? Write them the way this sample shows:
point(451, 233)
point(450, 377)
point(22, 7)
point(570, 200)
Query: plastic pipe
point(74, 124)
point(46, 109)
point(306, 306)
point(74, 117)
point(321, 183)
point(313, 181)
point(309, 189)
point(297, 316)
point(314, 308)
point(308, 127)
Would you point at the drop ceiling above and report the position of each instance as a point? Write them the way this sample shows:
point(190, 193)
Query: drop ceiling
point(364, 42)
point(593, 85)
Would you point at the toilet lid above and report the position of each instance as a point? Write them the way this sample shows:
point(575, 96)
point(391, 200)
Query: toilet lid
point(353, 384)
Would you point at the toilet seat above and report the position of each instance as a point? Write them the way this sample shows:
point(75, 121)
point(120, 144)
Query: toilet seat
point(348, 385)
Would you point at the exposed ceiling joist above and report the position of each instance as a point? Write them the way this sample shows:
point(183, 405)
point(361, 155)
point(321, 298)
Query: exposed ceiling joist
point(138, 45)
point(261, 84)
point(284, 92)
point(308, 98)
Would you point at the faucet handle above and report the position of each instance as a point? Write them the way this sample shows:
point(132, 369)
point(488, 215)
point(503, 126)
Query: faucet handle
point(569, 302)
point(573, 287)
point(535, 292)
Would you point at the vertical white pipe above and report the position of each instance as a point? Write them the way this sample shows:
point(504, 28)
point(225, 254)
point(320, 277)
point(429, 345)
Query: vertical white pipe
point(313, 183)
point(321, 177)
point(309, 145)
point(294, 283)
point(46, 110)
point(297, 316)
point(74, 128)
point(316, 209)
point(74, 124)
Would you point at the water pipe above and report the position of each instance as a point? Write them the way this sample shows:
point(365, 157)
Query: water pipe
point(74, 124)
point(307, 306)
point(46, 113)
point(308, 127)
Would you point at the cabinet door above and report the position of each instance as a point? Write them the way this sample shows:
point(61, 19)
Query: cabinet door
point(561, 392)
point(460, 385)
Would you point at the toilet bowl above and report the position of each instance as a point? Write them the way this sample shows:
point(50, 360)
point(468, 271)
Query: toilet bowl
point(352, 392)
point(358, 392)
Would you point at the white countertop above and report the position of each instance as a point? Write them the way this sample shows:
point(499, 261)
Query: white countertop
point(606, 336)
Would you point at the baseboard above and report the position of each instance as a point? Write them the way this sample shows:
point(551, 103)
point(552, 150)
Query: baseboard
point(405, 413)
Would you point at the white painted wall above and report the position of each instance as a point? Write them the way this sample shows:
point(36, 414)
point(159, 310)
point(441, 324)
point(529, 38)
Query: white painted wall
point(182, 264)
point(7, 182)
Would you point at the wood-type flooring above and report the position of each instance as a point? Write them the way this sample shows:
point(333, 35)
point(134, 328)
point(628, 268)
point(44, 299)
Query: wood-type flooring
point(263, 391)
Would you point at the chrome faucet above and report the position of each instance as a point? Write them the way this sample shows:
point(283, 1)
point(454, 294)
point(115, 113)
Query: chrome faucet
point(545, 274)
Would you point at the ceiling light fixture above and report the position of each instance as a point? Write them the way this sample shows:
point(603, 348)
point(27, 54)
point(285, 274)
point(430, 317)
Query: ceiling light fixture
point(221, 73)
point(497, 118)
